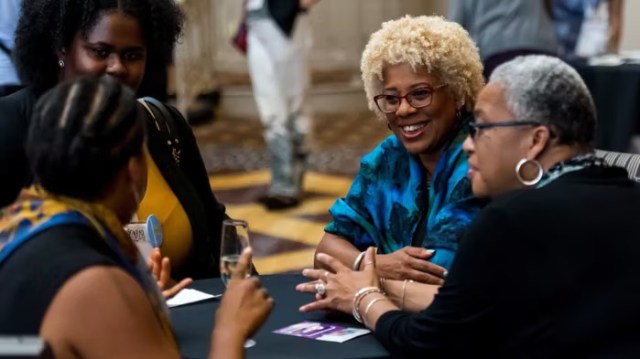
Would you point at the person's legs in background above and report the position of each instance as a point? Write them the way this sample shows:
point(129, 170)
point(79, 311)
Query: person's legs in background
point(279, 93)
point(298, 80)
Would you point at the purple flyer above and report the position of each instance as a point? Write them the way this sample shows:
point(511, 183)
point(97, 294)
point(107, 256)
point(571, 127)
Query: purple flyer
point(323, 331)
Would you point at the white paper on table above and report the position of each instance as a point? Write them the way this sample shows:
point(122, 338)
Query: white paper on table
point(188, 296)
point(606, 60)
point(346, 335)
point(631, 56)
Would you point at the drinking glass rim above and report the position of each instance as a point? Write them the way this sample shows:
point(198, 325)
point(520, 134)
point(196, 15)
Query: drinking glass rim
point(235, 222)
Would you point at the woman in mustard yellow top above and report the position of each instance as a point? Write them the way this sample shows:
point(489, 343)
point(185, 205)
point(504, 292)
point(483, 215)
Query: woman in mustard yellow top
point(160, 201)
point(179, 195)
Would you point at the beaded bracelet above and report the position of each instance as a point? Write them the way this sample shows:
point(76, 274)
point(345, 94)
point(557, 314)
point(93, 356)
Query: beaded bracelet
point(357, 298)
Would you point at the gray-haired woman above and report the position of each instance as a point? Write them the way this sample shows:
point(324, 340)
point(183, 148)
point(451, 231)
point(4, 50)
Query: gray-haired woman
point(550, 272)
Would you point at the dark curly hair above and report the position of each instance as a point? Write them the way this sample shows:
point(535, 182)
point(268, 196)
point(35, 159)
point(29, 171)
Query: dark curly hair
point(82, 133)
point(48, 26)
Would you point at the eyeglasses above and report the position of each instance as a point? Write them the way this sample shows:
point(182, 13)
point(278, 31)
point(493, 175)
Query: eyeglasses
point(418, 98)
point(474, 128)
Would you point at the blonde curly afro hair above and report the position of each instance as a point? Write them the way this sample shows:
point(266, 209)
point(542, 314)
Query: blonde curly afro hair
point(441, 48)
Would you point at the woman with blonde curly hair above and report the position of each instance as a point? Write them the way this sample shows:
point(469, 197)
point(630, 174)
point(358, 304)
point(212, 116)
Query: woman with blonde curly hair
point(411, 198)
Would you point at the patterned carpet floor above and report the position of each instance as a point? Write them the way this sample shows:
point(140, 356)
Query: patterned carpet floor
point(235, 156)
point(336, 142)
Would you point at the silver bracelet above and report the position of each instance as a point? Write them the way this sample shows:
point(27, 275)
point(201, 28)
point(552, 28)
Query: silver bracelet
point(356, 263)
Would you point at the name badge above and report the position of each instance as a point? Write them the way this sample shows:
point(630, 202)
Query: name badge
point(146, 235)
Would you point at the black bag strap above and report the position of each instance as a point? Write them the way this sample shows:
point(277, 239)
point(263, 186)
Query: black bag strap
point(5, 49)
point(164, 124)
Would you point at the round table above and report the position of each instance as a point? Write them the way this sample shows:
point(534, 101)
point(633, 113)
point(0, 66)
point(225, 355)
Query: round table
point(193, 325)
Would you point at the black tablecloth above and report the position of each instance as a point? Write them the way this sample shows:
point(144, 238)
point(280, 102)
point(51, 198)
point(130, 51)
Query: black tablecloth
point(193, 324)
point(616, 94)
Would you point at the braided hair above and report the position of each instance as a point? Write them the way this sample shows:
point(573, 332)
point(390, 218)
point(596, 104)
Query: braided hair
point(48, 26)
point(82, 133)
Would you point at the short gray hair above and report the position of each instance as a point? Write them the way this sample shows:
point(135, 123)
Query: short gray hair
point(546, 89)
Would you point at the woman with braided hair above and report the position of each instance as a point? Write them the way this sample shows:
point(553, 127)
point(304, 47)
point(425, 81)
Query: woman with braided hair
point(129, 40)
point(69, 272)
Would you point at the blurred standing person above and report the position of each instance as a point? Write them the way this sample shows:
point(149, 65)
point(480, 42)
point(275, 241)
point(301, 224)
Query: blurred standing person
point(587, 27)
point(505, 29)
point(9, 14)
point(278, 41)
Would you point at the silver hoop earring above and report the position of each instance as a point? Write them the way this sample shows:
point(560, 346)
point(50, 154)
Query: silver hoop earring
point(61, 63)
point(534, 181)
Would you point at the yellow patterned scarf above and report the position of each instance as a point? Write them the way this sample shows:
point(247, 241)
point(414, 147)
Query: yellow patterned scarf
point(37, 210)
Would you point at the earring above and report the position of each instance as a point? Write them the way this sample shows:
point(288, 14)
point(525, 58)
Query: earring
point(61, 63)
point(389, 126)
point(459, 114)
point(536, 179)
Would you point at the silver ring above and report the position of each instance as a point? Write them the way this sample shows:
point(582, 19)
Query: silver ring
point(321, 289)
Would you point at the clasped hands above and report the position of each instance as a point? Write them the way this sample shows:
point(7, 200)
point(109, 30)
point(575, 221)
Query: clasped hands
point(339, 281)
point(335, 286)
point(410, 263)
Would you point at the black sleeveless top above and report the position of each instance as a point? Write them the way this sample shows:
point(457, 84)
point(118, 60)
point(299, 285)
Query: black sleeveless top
point(31, 277)
point(15, 114)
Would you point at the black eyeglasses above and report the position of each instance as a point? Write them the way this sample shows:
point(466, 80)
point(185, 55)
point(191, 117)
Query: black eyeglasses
point(418, 98)
point(474, 128)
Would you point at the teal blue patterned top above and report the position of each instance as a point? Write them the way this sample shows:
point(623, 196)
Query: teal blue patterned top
point(389, 200)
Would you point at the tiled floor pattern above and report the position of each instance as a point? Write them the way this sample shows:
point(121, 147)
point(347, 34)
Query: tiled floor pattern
point(283, 241)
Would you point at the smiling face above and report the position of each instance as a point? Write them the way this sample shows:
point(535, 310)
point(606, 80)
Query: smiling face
point(422, 130)
point(495, 151)
point(114, 46)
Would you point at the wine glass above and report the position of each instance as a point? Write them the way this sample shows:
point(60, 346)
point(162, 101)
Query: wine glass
point(235, 238)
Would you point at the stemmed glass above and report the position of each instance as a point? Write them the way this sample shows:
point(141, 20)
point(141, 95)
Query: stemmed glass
point(235, 238)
